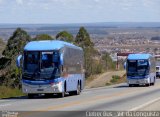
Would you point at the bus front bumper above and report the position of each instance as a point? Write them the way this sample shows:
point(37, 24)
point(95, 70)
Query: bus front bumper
point(138, 81)
point(41, 89)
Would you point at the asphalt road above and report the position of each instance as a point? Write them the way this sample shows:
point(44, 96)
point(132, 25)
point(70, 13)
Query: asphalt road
point(113, 98)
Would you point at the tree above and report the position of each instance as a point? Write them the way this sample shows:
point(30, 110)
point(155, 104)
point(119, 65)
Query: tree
point(16, 43)
point(108, 63)
point(83, 39)
point(43, 37)
point(65, 36)
point(2, 45)
point(92, 66)
point(14, 46)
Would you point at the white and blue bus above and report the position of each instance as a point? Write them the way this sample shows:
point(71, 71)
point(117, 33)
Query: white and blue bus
point(51, 67)
point(140, 69)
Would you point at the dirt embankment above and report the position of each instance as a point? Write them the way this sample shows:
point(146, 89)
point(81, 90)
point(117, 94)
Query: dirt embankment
point(101, 80)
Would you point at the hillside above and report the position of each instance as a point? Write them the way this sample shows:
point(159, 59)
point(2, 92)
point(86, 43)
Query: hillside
point(102, 79)
point(2, 45)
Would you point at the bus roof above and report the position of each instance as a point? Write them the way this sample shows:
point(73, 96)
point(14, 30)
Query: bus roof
point(48, 45)
point(138, 56)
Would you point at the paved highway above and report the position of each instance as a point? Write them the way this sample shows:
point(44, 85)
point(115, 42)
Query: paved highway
point(113, 98)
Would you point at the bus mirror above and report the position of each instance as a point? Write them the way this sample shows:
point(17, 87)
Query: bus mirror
point(18, 61)
point(149, 63)
point(61, 59)
point(124, 65)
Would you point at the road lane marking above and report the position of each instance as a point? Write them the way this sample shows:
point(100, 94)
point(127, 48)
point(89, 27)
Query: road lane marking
point(91, 100)
point(80, 102)
point(144, 105)
point(75, 103)
point(4, 105)
point(87, 101)
point(94, 99)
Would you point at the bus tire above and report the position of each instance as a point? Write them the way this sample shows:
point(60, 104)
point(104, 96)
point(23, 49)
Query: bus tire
point(148, 84)
point(78, 89)
point(72, 93)
point(77, 92)
point(80, 86)
point(61, 95)
point(153, 82)
point(130, 85)
point(64, 92)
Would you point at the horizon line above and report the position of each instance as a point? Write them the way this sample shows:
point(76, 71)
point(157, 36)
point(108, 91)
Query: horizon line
point(72, 23)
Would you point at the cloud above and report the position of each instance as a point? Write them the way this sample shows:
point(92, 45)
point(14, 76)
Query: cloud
point(19, 2)
point(96, 0)
point(1, 1)
point(55, 11)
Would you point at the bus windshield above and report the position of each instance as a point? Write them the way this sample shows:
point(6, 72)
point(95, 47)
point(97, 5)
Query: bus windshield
point(41, 64)
point(31, 61)
point(138, 67)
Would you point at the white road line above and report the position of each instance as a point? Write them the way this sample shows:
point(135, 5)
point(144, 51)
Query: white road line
point(144, 105)
point(4, 105)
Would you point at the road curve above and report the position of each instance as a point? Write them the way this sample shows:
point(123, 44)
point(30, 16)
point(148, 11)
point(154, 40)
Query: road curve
point(113, 98)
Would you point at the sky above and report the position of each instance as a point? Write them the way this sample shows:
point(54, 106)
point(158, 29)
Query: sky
point(78, 11)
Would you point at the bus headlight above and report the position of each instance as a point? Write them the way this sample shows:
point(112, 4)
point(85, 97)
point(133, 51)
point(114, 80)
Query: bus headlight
point(56, 84)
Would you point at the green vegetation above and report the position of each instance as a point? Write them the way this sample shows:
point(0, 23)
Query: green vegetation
point(92, 59)
point(16, 43)
point(116, 79)
point(6, 92)
point(95, 63)
point(14, 47)
point(65, 36)
point(83, 39)
point(2, 46)
point(108, 84)
point(43, 37)
point(108, 63)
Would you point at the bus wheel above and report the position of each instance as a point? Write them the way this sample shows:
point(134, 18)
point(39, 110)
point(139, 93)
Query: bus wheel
point(153, 82)
point(64, 92)
point(30, 96)
point(61, 95)
point(77, 92)
point(72, 93)
point(130, 85)
point(78, 89)
point(148, 84)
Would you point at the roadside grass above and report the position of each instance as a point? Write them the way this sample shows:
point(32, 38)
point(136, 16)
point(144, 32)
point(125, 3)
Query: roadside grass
point(6, 92)
point(116, 80)
point(102, 79)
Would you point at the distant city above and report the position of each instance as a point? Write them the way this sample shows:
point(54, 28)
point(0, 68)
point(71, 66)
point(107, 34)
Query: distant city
point(108, 37)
